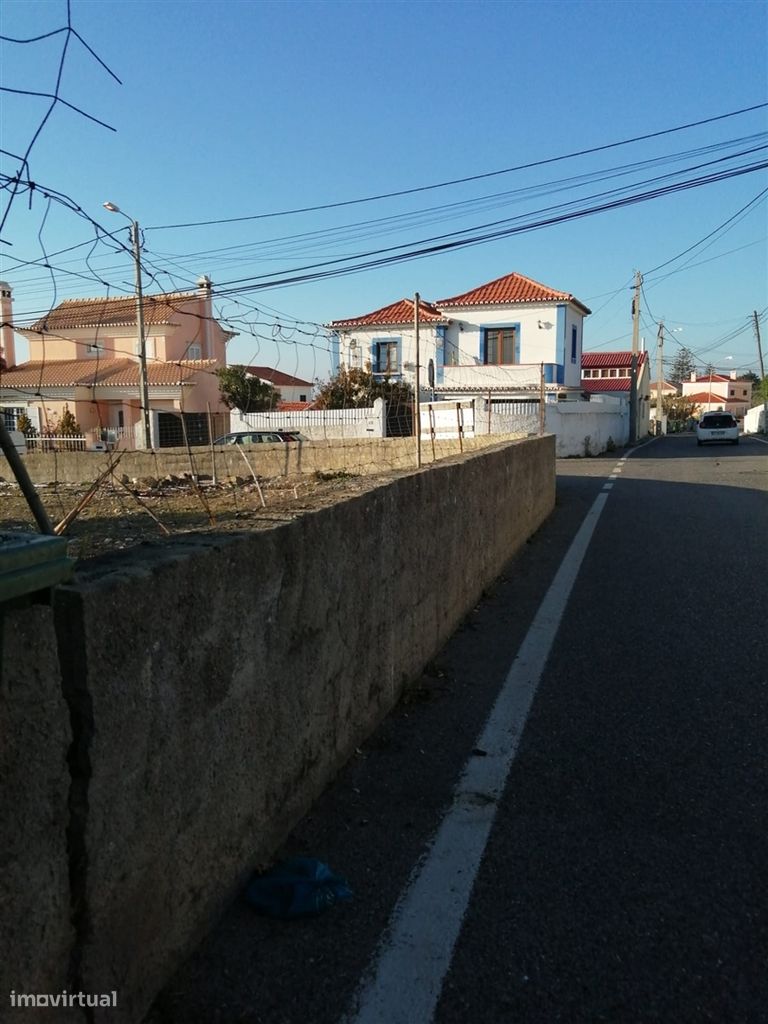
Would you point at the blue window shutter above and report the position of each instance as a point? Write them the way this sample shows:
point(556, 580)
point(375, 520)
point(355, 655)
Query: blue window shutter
point(517, 343)
point(483, 346)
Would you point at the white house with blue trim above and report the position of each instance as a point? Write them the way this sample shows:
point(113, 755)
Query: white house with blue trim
point(492, 338)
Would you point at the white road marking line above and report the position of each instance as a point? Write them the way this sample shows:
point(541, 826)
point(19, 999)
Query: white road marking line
point(607, 487)
point(406, 979)
point(614, 476)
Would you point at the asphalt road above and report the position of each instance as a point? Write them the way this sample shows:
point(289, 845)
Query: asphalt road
point(624, 876)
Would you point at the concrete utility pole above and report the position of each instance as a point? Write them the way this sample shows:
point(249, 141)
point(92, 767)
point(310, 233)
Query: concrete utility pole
point(636, 313)
point(633, 401)
point(659, 379)
point(417, 403)
point(762, 370)
point(140, 337)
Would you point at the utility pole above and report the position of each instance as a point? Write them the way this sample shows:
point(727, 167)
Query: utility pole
point(636, 312)
point(633, 401)
point(140, 332)
point(659, 379)
point(418, 396)
point(143, 383)
point(762, 371)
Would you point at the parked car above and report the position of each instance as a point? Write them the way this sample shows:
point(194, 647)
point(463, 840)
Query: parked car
point(260, 437)
point(717, 426)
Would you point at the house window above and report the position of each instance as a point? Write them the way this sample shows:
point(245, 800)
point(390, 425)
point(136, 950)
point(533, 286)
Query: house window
point(11, 416)
point(120, 418)
point(574, 343)
point(95, 347)
point(302, 398)
point(194, 352)
point(149, 348)
point(501, 345)
point(386, 355)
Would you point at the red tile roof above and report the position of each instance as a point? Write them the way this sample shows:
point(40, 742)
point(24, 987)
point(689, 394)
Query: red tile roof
point(712, 397)
point(610, 360)
point(111, 312)
point(400, 312)
point(278, 377)
point(511, 288)
point(598, 385)
point(67, 373)
point(294, 406)
point(715, 378)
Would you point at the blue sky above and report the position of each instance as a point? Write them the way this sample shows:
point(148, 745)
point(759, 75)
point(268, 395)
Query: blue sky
point(238, 109)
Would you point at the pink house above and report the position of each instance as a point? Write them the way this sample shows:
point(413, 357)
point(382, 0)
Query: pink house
point(84, 356)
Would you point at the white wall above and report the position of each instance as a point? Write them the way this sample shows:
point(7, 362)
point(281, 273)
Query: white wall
point(573, 422)
point(754, 421)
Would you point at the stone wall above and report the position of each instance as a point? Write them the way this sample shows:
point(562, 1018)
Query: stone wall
point(216, 685)
point(352, 455)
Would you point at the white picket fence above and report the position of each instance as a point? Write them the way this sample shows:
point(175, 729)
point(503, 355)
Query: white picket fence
point(318, 424)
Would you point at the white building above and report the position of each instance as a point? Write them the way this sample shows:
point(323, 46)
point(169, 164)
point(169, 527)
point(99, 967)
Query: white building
point(493, 338)
point(718, 391)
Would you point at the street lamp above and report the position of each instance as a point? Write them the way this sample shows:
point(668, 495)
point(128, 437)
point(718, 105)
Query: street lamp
point(144, 384)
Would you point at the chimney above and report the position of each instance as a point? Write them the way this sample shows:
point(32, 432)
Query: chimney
point(204, 287)
point(733, 375)
point(693, 377)
point(7, 340)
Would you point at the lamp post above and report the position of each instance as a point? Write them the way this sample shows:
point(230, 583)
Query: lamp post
point(143, 382)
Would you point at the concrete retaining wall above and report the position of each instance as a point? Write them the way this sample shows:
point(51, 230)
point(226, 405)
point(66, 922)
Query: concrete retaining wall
point(36, 934)
point(218, 683)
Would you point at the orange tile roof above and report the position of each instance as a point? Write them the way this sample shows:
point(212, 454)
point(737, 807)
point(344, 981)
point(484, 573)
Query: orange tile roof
point(110, 312)
point(68, 373)
point(400, 312)
point(606, 360)
point(507, 290)
point(712, 398)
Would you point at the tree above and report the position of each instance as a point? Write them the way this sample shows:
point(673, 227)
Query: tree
point(355, 388)
point(750, 377)
point(24, 424)
point(678, 408)
point(240, 390)
point(683, 366)
point(68, 425)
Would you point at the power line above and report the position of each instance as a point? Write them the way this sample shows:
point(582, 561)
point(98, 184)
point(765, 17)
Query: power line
point(462, 181)
point(743, 210)
point(297, 275)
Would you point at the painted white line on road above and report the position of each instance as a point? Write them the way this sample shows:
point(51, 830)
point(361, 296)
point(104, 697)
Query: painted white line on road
point(406, 979)
point(607, 487)
point(614, 476)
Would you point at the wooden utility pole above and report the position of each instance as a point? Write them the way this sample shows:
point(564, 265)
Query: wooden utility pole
point(636, 312)
point(659, 379)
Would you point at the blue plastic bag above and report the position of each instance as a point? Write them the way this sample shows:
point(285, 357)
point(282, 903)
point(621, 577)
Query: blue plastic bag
point(298, 887)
